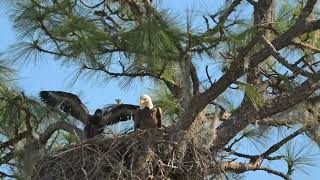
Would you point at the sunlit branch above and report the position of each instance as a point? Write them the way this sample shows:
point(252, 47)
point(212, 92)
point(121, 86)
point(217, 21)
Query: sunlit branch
point(306, 46)
point(243, 167)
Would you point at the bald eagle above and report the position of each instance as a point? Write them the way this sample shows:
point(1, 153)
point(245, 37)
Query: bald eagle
point(94, 124)
point(147, 116)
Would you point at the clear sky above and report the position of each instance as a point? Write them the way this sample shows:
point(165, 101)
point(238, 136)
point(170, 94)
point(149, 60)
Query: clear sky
point(50, 75)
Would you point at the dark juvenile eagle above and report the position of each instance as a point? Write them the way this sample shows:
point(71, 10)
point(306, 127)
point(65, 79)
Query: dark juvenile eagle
point(94, 124)
point(147, 116)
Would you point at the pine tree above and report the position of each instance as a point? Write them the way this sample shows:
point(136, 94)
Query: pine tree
point(256, 76)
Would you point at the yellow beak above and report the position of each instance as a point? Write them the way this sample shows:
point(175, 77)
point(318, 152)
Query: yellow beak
point(142, 102)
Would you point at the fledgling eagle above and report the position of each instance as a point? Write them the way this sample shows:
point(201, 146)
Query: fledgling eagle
point(147, 115)
point(94, 124)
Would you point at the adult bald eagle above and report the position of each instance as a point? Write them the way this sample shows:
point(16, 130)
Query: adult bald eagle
point(94, 124)
point(147, 115)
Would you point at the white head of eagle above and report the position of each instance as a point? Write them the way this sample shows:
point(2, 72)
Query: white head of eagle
point(145, 101)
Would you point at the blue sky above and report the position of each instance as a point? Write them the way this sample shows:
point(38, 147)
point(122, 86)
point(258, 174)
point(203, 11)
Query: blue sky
point(50, 75)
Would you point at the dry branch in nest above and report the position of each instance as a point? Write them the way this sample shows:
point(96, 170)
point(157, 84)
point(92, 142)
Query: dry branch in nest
point(141, 155)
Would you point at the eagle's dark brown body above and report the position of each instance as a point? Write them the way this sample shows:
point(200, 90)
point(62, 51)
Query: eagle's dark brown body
point(92, 130)
point(70, 103)
point(94, 124)
point(146, 118)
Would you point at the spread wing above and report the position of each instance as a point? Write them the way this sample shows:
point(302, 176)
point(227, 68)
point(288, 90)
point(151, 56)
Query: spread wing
point(119, 112)
point(67, 102)
point(159, 117)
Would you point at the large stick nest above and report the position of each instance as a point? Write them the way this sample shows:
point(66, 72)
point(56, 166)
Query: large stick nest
point(140, 155)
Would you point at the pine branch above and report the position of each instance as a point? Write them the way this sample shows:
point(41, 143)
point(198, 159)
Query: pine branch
point(245, 114)
point(93, 6)
point(243, 167)
point(256, 160)
point(174, 88)
point(237, 70)
point(195, 80)
point(306, 46)
point(224, 16)
point(51, 36)
point(235, 141)
point(295, 69)
point(289, 118)
point(14, 140)
point(60, 125)
point(8, 157)
point(307, 10)
point(3, 175)
point(218, 27)
point(208, 76)
point(253, 3)
point(285, 101)
point(278, 145)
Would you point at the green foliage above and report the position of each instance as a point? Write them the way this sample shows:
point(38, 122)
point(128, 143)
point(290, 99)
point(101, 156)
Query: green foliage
point(286, 84)
point(81, 38)
point(253, 94)
point(256, 135)
point(298, 156)
point(108, 44)
point(14, 108)
point(155, 37)
point(70, 138)
point(58, 24)
point(164, 98)
point(286, 15)
point(313, 133)
point(6, 74)
point(240, 39)
point(27, 52)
